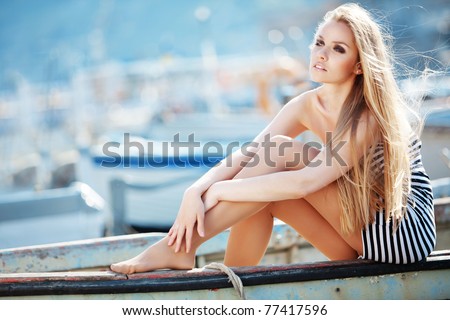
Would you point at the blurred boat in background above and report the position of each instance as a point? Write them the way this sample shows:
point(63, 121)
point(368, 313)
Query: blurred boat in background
point(113, 157)
point(54, 215)
point(144, 179)
point(54, 138)
point(53, 135)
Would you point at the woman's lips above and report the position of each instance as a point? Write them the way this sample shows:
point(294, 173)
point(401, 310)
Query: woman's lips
point(319, 67)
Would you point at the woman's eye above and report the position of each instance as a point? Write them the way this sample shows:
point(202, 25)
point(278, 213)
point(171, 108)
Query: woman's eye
point(339, 49)
point(319, 43)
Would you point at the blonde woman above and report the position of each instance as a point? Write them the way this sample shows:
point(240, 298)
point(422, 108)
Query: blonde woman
point(364, 194)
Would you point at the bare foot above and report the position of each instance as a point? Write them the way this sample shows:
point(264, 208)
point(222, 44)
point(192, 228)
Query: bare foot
point(157, 256)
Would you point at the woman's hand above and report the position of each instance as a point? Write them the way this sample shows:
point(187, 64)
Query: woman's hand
point(211, 197)
point(192, 211)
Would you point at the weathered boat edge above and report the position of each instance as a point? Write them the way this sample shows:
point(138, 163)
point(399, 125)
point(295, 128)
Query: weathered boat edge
point(434, 272)
point(100, 252)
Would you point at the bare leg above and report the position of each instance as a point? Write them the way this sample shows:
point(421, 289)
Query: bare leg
point(255, 231)
point(219, 218)
point(161, 256)
point(248, 239)
point(315, 217)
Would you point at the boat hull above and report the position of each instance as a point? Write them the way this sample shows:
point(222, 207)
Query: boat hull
point(355, 279)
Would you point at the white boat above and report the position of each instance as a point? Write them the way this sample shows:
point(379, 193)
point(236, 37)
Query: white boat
point(52, 215)
point(145, 185)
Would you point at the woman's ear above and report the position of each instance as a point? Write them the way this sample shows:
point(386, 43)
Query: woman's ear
point(358, 69)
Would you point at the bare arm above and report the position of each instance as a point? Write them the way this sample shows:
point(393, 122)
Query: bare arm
point(287, 122)
point(192, 209)
point(326, 167)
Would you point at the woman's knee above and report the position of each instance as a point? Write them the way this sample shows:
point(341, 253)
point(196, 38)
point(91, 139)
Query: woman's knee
point(278, 153)
point(288, 153)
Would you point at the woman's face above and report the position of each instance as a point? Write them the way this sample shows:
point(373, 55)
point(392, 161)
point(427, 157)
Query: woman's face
point(334, 55)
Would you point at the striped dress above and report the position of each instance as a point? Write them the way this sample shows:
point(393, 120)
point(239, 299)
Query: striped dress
point(415, 236)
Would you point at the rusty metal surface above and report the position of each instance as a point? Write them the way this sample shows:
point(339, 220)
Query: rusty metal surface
point(60, 276)
point(421, 286)
point(285, 246)
point(74, 254)
point(102, 252)
point(357, 280)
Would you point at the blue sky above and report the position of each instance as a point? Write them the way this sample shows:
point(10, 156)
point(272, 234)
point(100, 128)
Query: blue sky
point(48, 39)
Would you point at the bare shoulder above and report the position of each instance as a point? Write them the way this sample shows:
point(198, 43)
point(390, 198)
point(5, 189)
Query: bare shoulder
point(292, 119)
point(302, 104)
point(305, 99)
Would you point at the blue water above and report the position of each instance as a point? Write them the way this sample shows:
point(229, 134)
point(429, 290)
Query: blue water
point(48, 40)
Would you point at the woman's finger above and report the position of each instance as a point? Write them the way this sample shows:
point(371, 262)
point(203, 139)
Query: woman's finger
point(180, 237)
point(201, 224)
point(172, 236)
point(189, 232)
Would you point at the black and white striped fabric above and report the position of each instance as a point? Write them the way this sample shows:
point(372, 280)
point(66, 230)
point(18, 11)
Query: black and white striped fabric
point(415, 236)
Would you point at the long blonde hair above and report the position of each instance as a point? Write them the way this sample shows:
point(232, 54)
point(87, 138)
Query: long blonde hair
point(366, 188)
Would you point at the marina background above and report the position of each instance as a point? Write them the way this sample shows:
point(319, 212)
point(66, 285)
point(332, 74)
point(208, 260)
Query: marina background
point(75, 75)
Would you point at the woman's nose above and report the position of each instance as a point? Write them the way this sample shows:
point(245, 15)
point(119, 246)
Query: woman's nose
point(323, 54)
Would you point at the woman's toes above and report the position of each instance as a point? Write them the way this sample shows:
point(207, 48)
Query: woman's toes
point(120, 268)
